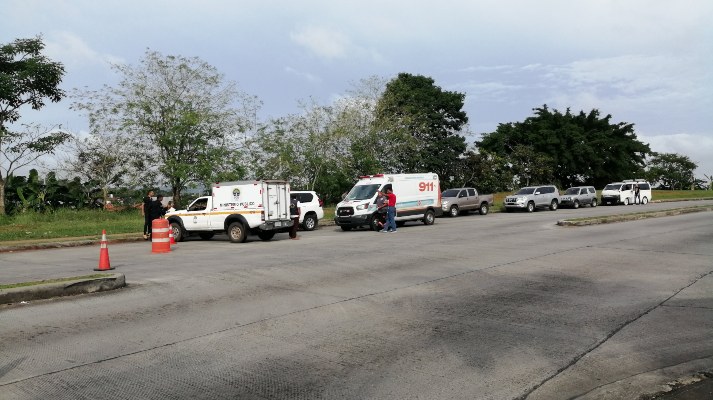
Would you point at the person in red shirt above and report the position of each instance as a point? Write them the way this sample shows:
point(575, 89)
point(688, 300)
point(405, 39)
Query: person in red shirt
point(390, 212)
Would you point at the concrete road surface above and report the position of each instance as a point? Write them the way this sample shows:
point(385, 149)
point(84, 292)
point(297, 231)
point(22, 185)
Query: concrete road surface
point(502, 306)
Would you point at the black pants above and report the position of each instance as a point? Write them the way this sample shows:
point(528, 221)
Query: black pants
point(295, 225)
point(147, 225)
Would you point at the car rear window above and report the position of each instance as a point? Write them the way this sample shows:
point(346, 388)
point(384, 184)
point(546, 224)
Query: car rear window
point(304, 197)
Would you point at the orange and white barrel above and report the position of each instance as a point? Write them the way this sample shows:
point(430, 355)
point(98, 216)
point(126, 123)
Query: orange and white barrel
point(160, 243)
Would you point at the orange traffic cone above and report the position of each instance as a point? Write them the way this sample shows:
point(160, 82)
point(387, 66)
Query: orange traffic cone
point(104, 264)
point(171, 239)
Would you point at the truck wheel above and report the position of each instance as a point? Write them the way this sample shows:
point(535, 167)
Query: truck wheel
point(266, 235)
point(645, 200)
point(178, 234)
point(346, 227)
point(530, 207)
point(237, 233)
point(594, 202)
point(453, 212)
point(206, 235)
point(483, 209)
point(576, 204)
point(429, 217)
point(553, 205)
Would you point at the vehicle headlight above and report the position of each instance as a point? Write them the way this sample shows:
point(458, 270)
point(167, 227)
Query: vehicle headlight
point(445, 202)
point(362, 206)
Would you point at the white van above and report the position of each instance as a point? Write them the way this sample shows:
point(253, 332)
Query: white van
point(624, 193)
point(418, 197)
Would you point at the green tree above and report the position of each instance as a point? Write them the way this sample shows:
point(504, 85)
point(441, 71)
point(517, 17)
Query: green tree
point(27, 77)
point(583, 148)
point(185, 121)
point(488, 172)
point(673, 171)
point(418, 124)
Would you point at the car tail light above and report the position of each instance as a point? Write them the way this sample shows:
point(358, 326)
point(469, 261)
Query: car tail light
point(321, 202)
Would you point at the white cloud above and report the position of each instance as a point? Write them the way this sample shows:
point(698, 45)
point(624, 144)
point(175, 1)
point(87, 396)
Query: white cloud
point(74, 52)
point(697, 147)
point(323, 42)
point(304, 75)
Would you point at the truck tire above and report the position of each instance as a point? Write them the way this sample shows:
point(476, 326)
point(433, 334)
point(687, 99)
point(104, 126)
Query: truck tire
point(554, 205)
point(453, 211)
point(236, 232)
point(429, 217)
point(483, 210)
point(206, 235)
point(309, 223)
point(266, 235)
point(530, 207)
point(178, 234)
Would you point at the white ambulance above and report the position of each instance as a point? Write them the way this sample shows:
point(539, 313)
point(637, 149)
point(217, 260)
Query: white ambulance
point(418, 197)
point(237, 208)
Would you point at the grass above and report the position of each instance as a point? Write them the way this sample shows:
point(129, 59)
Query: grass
point(34, 283)
point(65, 223)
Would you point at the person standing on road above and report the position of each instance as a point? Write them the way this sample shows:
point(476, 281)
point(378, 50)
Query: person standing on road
point(381, 205)
point(390, 211)
point(295, 216)
point(156, 210)
point(145, 212)
point(637, 195)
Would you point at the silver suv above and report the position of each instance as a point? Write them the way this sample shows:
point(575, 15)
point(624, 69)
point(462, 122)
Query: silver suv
point(532, 197)
point(311, 210)
point(579, 196)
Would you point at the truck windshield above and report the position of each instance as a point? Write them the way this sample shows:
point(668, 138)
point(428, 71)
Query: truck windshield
point(528, 190)
point(612, 186)
point(572, 191)
point(362, 192)
point(450, 193)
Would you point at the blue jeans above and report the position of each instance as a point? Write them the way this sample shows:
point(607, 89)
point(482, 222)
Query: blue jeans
point(390, 219)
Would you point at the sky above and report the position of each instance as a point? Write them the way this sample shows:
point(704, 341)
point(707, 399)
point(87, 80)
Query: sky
point(646, 62)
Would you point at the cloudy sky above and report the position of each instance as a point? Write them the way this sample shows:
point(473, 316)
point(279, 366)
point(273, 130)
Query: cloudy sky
point(647, 62)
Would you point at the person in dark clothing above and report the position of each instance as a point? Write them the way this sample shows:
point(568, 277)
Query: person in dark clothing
point(156, 210)
point(637, 195)
point(145, 211)
point(381, 206)
point(295, 216)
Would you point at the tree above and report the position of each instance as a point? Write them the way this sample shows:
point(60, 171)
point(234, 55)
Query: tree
point(19, 149)
point(673, 171)
point(418, 124)
point(487, 172)
point(182, 117)
point(26, 78)
point(583, 148)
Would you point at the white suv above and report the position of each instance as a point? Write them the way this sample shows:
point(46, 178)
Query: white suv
point(310, 209)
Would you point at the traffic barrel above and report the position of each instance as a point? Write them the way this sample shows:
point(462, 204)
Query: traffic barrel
point(104, 264)
point(160, 243)
point(171, 239)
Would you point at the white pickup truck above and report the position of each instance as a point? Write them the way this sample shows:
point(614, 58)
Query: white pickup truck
point(236, 208)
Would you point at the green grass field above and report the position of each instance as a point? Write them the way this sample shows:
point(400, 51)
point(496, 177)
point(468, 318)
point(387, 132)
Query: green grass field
point(65, 223)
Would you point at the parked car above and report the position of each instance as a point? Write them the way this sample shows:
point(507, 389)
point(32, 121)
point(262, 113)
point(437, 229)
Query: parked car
point(532, 197)
point(578, 196)
point(311, 210)
point(623, 192)
point(461, 200)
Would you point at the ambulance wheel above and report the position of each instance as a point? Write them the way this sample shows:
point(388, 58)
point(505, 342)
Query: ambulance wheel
point(429, 218)
point(178, 234)
point(237, 233)
point(266, 235)
point(206, 235)
point(309, 223)
point(346, 227)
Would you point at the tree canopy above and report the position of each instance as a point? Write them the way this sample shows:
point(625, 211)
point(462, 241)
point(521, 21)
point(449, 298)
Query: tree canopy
point(184, 119)
point(419, 123)
point(671, 170)
point(583, 148)
point(27, 77)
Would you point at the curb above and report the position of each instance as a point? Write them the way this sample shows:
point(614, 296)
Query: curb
point(633, 217)
point(58, 289)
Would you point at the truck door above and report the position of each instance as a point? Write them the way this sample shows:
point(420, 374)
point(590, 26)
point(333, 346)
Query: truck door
point(472, 199)
point(198, 217)
point(276, 201)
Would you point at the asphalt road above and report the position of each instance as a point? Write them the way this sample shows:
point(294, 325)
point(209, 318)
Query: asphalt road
point(502, 306)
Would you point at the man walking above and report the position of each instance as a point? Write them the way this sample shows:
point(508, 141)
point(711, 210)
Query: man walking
point(390, 212)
